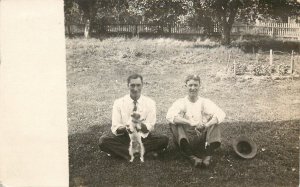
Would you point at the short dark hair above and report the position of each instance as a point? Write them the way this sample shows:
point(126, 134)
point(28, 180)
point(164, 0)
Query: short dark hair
point(192, 77)
point(134, 76)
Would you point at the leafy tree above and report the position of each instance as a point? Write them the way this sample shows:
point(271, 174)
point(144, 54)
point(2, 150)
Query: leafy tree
point(73, 15)
point(112, 11)
point(191, 12)
point(77, 12)
point(226, 12)
point(97, 12)
point(278, 10)
point(159, 11)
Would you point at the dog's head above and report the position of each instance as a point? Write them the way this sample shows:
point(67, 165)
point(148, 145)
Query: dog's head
point(135, 115)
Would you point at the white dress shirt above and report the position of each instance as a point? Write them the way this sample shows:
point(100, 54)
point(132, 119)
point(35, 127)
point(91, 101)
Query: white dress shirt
point(198, 112)
point(123, 107)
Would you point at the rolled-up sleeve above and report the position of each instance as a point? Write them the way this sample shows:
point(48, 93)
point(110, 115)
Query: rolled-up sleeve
point(116, 117)
point(212, 109)
point(174, 111)
point(151, 115)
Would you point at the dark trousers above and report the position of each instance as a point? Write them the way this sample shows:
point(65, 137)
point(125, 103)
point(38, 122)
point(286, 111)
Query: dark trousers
point(118, 145)
point(189, 142)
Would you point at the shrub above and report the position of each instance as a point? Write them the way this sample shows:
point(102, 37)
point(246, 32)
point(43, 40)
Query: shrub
point(254, 45)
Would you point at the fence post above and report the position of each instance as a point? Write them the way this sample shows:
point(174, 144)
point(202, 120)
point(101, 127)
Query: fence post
point(234, 68)
point(228, 62)
point(271, 57)
point(136, 29)
point(69, 30)
point(158, 28)
point(292, 62)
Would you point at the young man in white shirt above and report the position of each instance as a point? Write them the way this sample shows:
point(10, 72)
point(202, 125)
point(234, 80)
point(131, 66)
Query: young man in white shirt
point(117, 142)
point(197, 119)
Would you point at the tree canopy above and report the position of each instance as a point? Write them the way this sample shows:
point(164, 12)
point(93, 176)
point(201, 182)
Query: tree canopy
point(189, 12)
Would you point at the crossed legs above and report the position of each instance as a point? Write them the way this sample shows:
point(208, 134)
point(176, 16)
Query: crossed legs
point(182, 136)
point(118, 145)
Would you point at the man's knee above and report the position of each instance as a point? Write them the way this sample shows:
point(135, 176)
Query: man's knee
point(103, 141)
point(177, 129)
point(172, 128)
point(215, 145)
point(165, 140)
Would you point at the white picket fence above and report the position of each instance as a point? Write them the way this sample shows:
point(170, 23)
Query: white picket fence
point(278, 30)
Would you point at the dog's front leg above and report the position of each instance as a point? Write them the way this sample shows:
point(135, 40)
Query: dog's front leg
point(142, 157)
point(131, 152)
point(142, 151)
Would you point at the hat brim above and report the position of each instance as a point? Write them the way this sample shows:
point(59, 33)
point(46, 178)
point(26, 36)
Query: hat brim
point(250, 143)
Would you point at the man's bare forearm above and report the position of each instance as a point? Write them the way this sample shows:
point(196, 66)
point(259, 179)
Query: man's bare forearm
point(181, 120)
point(212, 121)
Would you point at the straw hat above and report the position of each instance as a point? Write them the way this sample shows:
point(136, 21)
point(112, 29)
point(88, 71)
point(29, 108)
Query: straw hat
point(244, 147)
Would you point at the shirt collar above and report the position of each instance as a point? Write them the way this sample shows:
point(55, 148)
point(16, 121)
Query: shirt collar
point(187, 98)
point(138, 101)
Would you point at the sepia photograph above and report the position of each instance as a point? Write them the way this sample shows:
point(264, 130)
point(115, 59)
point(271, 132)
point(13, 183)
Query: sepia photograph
point(97, 93)
point(183, 93)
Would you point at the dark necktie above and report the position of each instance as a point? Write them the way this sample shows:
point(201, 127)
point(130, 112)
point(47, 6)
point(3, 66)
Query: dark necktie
point(135, 107)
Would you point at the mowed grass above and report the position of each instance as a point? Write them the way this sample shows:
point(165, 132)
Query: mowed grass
point(263, 109)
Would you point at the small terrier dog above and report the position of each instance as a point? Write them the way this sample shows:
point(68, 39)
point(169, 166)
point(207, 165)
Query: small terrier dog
point(136, 146)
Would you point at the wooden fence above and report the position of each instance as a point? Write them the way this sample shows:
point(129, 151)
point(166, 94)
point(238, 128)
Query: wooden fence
point(150, 28)
point(276, 30)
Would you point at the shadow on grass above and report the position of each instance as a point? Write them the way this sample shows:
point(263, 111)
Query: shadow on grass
point(276, 163)
point(257, 45)
point(206, 46)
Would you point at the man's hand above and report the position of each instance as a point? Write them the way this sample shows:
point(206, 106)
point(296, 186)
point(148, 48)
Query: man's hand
point(144, 128)
point(194, 124)
point(200, 128)
point(121, 130)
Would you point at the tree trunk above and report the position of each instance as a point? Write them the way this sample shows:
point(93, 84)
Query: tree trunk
point(69, 30)
point(225, 40)
point(87, 29)
point(227, 20)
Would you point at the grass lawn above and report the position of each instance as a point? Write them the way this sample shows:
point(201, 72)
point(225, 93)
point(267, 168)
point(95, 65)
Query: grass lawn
point(263, 109)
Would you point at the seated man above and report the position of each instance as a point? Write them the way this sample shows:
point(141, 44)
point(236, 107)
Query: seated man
point(117, 142)
point(195, 118)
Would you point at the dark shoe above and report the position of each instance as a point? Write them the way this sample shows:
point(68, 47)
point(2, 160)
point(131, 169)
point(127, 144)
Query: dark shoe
point(109, 155)
point(206, 161)
point(155, 154)
point(195, 161)
point(152, 154)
